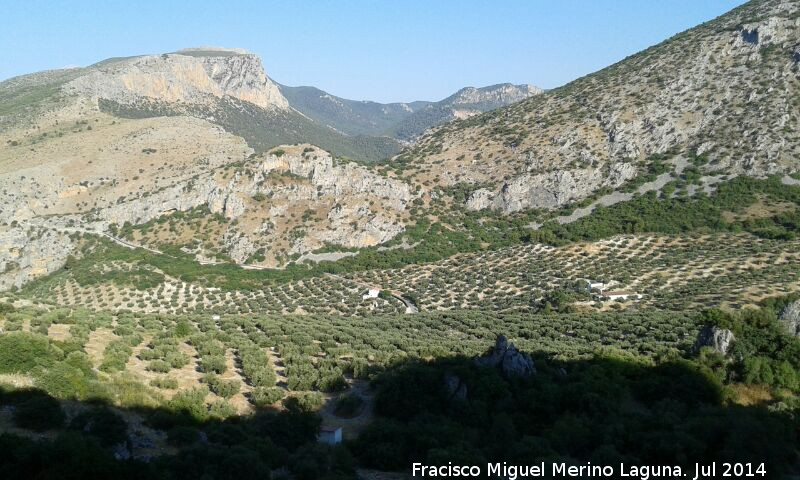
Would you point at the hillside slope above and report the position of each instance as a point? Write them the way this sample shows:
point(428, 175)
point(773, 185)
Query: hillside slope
point(226, 87)
point(725, 92)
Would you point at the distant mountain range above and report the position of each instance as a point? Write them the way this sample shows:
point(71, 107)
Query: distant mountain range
point(404, 121)
point(230, 88)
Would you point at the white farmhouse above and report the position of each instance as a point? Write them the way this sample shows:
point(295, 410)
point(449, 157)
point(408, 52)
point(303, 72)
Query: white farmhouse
point(371, 293)
point(330, 435)
point(621, 295)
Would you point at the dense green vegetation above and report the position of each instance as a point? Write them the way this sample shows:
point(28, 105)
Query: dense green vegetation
point(610, 387)
point(702, 212)
point(606, 409)
point(264, 129)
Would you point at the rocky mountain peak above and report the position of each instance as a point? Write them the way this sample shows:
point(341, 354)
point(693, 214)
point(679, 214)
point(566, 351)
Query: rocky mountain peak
point(501, 94)
point(189, 76)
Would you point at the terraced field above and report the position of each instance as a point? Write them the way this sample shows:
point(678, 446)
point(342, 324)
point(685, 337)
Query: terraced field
point(669, 272)
point(665, 272)
point(235, 363)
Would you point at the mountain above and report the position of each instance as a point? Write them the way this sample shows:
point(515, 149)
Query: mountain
point(465, 103)
point(723, 94)
point(603, 274)
point(223, 86)
point(151, 150)
point(350, 116)
point(404, 121)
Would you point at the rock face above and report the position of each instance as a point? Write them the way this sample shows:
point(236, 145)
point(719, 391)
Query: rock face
point(188, 76)
point(493, 96)
point(29, 252)
point(354, 208)
point(511, 361)
point(790, 318)
point(719, 339)
point(550, 190)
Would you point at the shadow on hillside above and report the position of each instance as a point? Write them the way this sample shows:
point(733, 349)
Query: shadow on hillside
point(604, 410)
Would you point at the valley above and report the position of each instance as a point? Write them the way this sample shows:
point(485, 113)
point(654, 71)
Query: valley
point(206, 273)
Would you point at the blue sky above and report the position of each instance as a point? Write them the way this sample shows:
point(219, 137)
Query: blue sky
point(377, 50)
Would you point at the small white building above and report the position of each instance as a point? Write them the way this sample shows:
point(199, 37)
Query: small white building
point(621, 295)
point(370, 293)
point(330, 435)
point(215, 318)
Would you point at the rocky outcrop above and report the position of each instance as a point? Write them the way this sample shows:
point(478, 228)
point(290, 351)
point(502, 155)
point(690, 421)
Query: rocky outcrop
point(550, 190)
point(511, 361)
point(188, 76)
point(363, 211)
point(718, 339)
point(27, 253)
point(492, 96)
point(790, 318)
point(455, 387)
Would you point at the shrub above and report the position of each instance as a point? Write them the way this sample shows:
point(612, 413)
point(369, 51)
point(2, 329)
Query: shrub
point(177, 359)
point(266, 396)
point(347, 406)
point(181, 436)
point(160, 366)
point(115, 356)
point(165, 383)
point(332, 383)
point(221, 387)
point(214, 363)
point(191, 402)
point(221, 409)
point(183, 328)
point(262, 377)
point(304, 402)
point(20, 352)
point(39, 413)
point(66, 381)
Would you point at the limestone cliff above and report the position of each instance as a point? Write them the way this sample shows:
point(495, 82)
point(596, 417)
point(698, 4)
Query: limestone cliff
point(188, 76)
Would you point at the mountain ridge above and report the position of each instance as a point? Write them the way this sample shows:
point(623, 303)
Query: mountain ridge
point(692, 94)
point(402, 120)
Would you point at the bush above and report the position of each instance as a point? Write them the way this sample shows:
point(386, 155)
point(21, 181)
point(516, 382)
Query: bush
point(160, 366)
point(177, 359)
point(191, 402)
point(65, 381)
point(39, 413)
point(221, 387)
point(266, 396)
point(20, 352)
point(165, 383)
point(181, 436)
point(262, 377)
point(304, 402)
point(115, 356)
point(347, 406)
point(333, 383)
point(221, 409)
point(214, 363)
